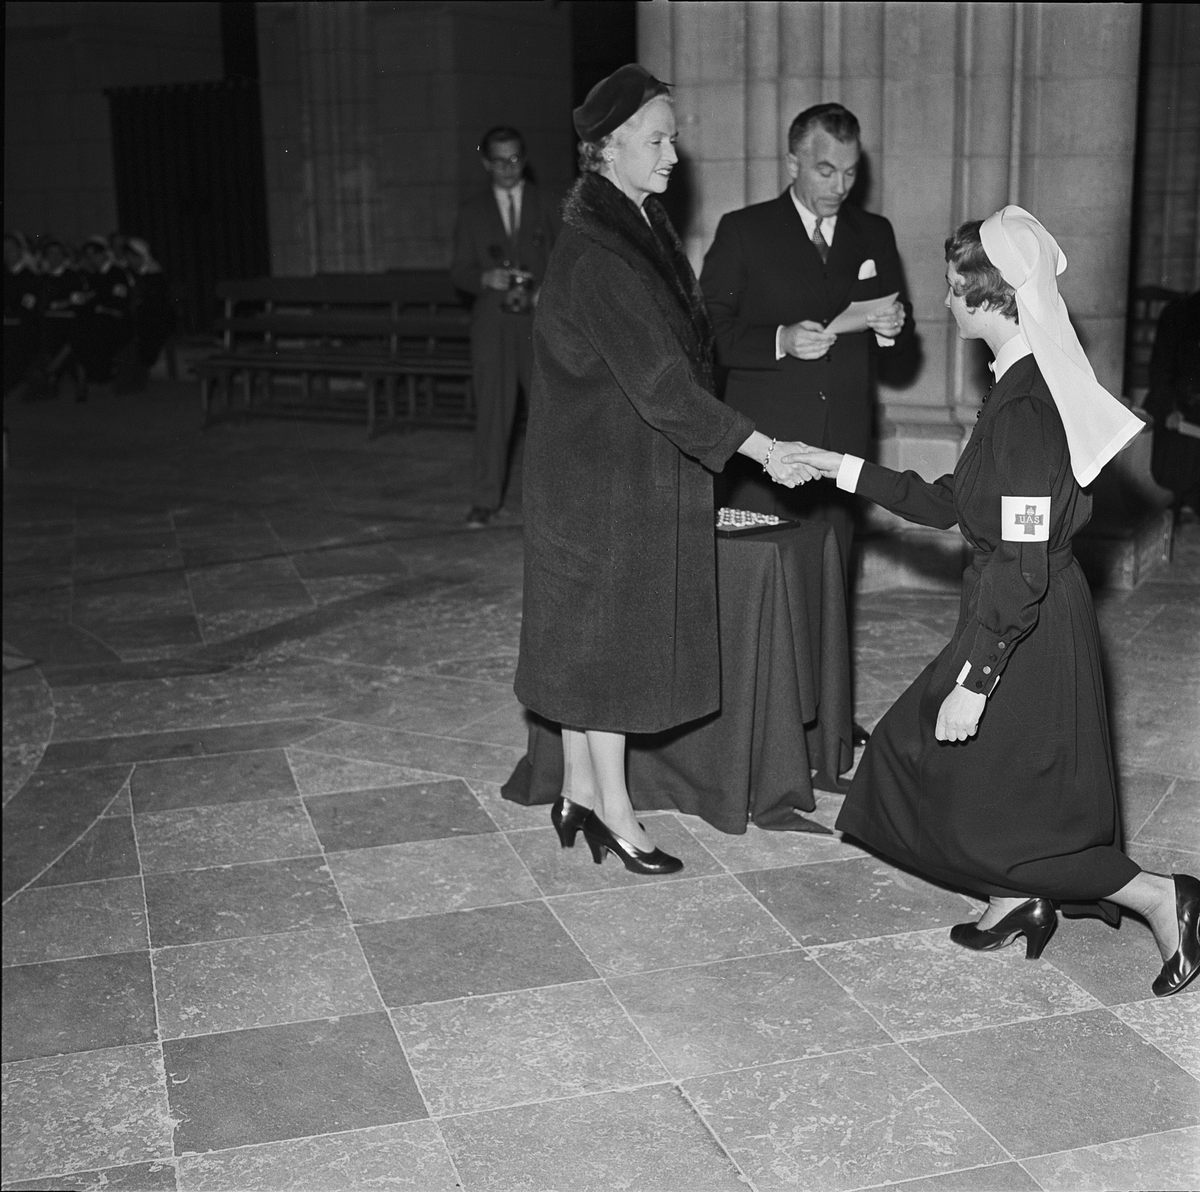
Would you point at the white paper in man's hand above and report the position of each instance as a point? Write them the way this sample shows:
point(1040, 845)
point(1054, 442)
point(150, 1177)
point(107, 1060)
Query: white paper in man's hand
point(855, 316)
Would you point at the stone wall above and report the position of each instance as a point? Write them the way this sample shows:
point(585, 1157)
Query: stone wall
point(372, 112)
point(58, 59)
point(1167, 235)
point(964, 107)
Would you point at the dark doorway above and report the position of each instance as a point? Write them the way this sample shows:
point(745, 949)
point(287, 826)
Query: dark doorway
point(190, 180)
point(603, 37)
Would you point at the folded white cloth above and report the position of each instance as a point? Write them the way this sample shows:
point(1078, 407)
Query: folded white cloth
point(1029, 259)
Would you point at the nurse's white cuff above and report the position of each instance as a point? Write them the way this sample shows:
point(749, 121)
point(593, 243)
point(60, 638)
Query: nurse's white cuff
point(848, 473)
point(883, 341)
point(779, 352)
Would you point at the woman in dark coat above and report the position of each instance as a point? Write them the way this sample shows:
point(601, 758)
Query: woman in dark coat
point(994, 770)
point(620, 609)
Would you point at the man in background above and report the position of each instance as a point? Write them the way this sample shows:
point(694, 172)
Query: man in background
point(776, 274)
point(501, 247)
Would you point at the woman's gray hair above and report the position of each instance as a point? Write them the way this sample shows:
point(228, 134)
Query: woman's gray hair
point(591, 154)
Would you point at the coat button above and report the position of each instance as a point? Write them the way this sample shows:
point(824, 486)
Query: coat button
point(987, 670)
point(821, 395)
point(999, 645)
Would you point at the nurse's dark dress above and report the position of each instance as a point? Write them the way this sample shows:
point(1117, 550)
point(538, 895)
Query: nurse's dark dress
point(1028, 805)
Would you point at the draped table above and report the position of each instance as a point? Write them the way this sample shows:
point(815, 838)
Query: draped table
point(785, 717)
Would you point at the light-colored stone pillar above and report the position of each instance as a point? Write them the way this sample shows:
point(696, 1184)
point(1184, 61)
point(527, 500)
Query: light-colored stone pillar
point(964, 107)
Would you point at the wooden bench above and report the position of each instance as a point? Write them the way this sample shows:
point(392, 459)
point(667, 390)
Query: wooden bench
point(335, 345)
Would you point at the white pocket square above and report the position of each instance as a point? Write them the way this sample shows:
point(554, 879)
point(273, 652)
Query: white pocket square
point(867, 269)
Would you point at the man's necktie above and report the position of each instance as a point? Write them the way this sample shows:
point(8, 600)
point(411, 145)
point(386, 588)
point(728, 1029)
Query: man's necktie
point(512, 217)
point(819, 242)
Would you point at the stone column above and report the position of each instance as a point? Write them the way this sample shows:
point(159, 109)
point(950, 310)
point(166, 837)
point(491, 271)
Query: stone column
point(964, 107)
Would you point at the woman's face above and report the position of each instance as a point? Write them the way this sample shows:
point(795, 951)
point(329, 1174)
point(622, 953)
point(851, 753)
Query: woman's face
point(643, 151)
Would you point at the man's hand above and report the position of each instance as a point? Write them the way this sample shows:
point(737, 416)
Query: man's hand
point(888, 323)
point(806, 340)
point(958, 717)
point(497, 279)
point(823, 463)
point(790, 468)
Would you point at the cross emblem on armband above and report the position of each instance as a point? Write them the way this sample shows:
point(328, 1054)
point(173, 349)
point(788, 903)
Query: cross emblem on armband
point(1030, 519)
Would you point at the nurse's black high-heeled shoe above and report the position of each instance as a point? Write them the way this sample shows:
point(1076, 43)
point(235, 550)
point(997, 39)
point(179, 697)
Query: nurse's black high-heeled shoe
point(1035, 920)
point(601, 839)
point(1179, 971)
point(567, 818)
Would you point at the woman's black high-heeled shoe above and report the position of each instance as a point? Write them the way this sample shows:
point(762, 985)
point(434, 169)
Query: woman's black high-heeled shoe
point(601, 840)
point(1035, 920)
point(1179, 971)
point(567, 818)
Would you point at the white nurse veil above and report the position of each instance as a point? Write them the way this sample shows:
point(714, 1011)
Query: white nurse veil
point(1029, 259)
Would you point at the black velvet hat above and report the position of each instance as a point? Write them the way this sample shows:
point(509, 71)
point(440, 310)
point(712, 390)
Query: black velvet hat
point(613, 100)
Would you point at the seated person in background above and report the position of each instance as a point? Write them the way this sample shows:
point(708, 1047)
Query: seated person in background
point(64, 294)
point(154, 312)
point(501, 245)
point(106, 319)
point(1174, 398)
point(22, 310)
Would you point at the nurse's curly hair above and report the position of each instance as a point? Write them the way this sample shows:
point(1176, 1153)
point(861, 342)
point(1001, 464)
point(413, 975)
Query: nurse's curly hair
point(982, 283)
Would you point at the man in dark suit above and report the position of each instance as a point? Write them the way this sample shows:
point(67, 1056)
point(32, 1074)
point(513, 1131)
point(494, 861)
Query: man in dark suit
point(776, 274)
point(501, 247)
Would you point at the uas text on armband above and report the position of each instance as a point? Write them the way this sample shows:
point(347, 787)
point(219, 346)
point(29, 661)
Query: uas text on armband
point(1025, 519)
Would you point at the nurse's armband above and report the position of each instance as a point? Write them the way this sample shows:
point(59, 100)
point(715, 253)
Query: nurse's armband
point(1025, 519)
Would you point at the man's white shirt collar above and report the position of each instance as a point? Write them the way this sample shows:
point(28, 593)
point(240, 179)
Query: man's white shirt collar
point(1015, 349)
point(828, 222)
point(518, 193)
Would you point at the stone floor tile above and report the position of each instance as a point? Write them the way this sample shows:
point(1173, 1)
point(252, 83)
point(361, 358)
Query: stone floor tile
point(416, 811)
point(78, 1005)
point(153, 633)
point(1062, 1083)
point(225, 834)
point(291, 1081)
point(236, 985)
point(850, 1120)
point(200, 781)
point(409, 1157)
point(996, 1177)
point(1176, 820)
point(668, 924)
point(858, 898)
point(424, 703)
point(336, 561)
point(1141, 791)
point(512, 1048)
point(775, 850)
point(509, 816)
point(1171, 1024)
point(1164, 1162)
point(469, 760)
point(132, 1177)
point(569, 871)
point(82, 1112)
point(662, 1146)
point(488, 668)
point(324, 774)
point(346, 587)
point(54, 641)
point(65, 922)
point(921, 984)
point(228, 628)
point(1162, 858)
point(259, 898)
point(247, 586)
point(48, 815)
point(1112, 965)
point(505, 726)
point(177, 743)
point(428, 877)
point(106, 850)
point(738, 1013)
point(492, 949)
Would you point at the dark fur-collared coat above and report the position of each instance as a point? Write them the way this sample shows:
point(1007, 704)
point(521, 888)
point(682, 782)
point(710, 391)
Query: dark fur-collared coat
point(620, 615)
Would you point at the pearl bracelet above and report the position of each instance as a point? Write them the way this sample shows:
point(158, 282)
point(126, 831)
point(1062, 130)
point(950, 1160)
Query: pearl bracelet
point(767, 462)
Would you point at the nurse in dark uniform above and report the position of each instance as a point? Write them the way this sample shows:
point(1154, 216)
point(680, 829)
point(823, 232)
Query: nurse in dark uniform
point(994, 770)
point(619, 633)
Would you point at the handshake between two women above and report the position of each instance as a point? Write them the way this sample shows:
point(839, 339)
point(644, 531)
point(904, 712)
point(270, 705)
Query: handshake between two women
point(791, 463)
